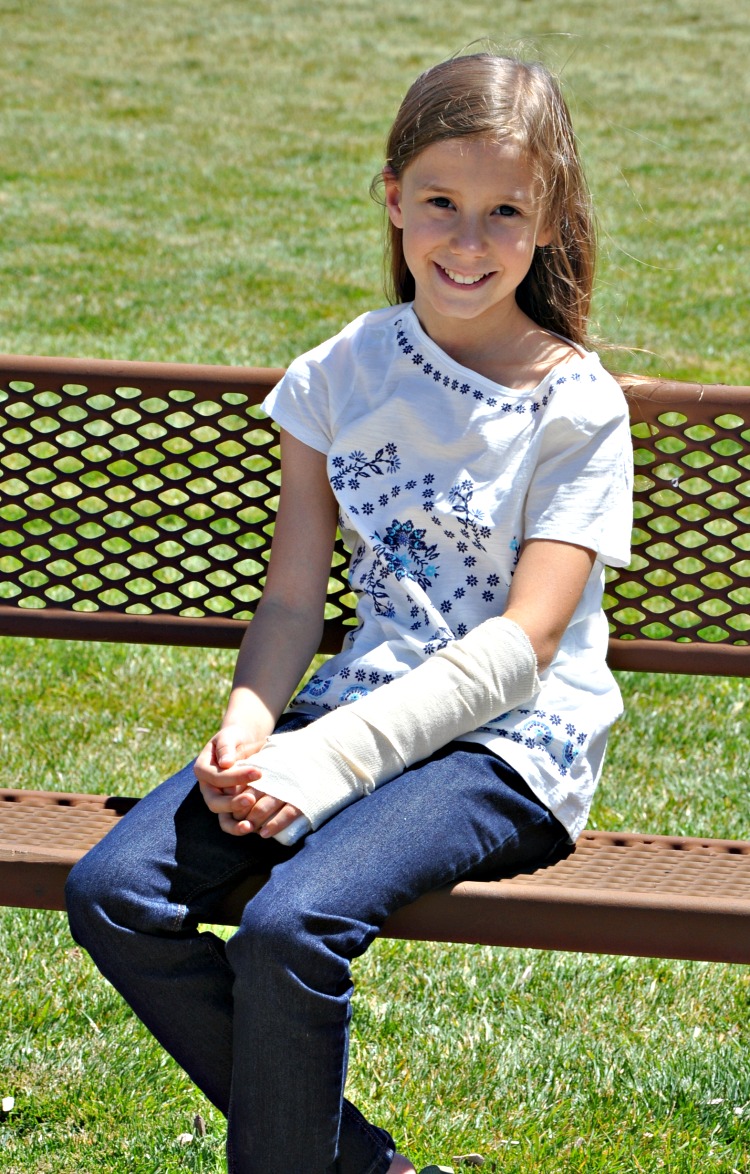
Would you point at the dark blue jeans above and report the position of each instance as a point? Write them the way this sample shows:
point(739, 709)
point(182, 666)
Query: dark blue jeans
point(261, 1022)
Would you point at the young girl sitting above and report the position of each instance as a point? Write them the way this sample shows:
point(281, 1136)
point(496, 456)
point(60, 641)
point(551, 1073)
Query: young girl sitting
point(477, 460)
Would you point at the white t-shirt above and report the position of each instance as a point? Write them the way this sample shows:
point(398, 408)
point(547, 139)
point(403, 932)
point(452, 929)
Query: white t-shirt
point(441, 475)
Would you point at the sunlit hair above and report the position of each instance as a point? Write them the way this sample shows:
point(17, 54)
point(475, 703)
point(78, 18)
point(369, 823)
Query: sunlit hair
point(501, 99)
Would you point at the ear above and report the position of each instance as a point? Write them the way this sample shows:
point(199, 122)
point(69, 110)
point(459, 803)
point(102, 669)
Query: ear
point(545, 235)
point(393, 197)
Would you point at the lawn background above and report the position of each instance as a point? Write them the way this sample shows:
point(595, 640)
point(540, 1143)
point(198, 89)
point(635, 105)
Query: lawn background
point(184, 181)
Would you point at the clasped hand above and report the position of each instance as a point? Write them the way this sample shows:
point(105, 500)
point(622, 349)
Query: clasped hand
point(227, 779)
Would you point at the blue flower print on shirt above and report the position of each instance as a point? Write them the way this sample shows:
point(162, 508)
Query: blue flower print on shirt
point(402, 553)
point(406, 554)
point(440, 638)
point(460, 496)
point(358, 467)
point(315, 687)
point(371, 583)
point(540, 732)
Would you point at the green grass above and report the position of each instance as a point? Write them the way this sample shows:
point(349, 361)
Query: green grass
point(186, 181)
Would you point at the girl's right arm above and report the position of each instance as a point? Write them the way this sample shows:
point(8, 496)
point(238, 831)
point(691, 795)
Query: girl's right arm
point(285, 632)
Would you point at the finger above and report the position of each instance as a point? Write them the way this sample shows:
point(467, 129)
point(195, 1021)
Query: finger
point(237, 777)
point(281, 820)
point(239, 799)
point(231, 744)
point(216, 801)
point(265, 808)
point(226, 749)
point(206, 759)
point(242, 804)
point(235, 827)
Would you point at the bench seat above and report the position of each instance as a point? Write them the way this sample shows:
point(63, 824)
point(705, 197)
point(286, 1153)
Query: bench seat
point(614, 893)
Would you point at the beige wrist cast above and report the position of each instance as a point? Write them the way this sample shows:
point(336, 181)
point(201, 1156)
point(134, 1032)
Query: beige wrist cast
point(349, 752)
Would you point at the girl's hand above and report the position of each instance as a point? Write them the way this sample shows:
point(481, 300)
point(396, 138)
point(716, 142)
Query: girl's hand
point(230, 746)
point(252, 810)
point(225, 777)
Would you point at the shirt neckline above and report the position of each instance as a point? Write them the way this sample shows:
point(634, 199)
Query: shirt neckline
point(471, 383)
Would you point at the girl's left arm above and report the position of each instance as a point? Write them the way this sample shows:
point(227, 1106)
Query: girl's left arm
point(547, 587)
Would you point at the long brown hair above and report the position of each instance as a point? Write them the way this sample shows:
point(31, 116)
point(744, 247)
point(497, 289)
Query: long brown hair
point(484, 96)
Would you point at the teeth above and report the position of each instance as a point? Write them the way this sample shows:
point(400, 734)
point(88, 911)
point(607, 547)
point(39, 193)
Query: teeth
point(461, 280)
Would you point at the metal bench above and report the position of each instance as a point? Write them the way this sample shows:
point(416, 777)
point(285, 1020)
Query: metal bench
point(136, 506)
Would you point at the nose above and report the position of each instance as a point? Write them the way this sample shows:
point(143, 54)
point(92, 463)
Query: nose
point(468, 237)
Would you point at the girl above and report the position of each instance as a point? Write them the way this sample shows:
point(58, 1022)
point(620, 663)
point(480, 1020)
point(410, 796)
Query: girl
point(477, 459)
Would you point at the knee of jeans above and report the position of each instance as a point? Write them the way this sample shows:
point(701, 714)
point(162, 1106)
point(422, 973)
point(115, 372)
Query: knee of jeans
point(268, 925)
point(280, 928)
point(103, 896)
point(84, 893)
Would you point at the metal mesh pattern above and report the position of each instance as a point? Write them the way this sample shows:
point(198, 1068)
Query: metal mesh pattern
point(48, 826)
point(691, 868)
point(137, 503)
point(138, 491)
point(689, 579)
point(133, 501)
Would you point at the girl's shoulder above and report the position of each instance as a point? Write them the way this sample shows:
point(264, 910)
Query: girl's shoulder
point(354, 339)
point(320, 384)
point(545, 353)
point(582, 390)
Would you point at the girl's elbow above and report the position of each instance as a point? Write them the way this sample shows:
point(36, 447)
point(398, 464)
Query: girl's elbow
point(544, 640)
point(545, 651)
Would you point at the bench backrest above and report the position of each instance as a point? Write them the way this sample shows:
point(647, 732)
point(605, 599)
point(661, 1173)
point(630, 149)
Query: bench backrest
point(137, 503)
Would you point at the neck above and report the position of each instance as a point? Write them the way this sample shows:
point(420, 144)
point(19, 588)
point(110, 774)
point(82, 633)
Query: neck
point(514, 352)
point(483, 344)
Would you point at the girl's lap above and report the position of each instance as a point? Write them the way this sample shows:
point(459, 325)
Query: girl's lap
point(462, 812)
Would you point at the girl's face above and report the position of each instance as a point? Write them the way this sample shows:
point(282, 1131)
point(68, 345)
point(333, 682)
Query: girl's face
point(471, 218)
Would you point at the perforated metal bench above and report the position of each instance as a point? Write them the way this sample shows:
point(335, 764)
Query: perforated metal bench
point(136, 506)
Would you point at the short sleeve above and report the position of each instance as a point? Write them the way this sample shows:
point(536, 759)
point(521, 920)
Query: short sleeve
point(582, 488)
point(300, 403)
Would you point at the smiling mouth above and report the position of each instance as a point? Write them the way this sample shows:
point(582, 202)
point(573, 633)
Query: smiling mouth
point(461, 278)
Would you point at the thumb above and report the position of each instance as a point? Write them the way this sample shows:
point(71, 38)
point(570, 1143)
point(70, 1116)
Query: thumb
point(226, 748)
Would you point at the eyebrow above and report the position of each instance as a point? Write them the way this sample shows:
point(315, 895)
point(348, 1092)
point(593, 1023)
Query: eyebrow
point(444, 189)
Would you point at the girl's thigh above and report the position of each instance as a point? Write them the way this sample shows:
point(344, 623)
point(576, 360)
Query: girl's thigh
point(166, 862)
point(462, 812)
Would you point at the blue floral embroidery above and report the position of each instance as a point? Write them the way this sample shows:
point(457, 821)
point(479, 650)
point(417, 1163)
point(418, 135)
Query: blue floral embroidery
point(385, 460)
point(539, 731)
point(371, 583)
point(460, 496)
point(316, 687)
point(403, 553)
point(439, 639)
point(438, 376)
point(406, 554)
